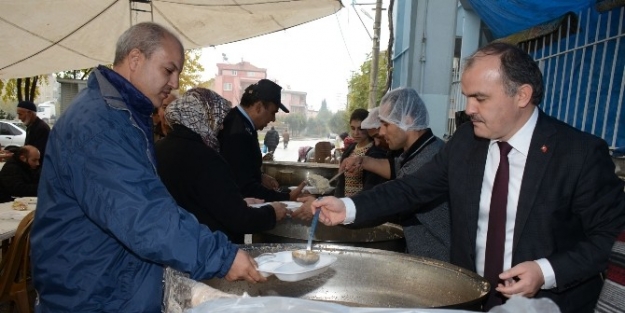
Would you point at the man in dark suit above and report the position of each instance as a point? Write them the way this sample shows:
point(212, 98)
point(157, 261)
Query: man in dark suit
point(238, 141)
point(563, 204)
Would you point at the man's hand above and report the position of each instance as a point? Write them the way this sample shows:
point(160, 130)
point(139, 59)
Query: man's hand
point(332, 210)
point(304, 213)
point(295, 193)
point(269, 182)
point(351, 164)
point(280, 209)
point(244, 267)
point(525, 279)
point(251, 201)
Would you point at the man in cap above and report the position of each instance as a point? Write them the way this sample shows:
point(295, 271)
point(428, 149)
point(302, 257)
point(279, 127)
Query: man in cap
point(239, 140)
point(403, 121)
point(37, 131)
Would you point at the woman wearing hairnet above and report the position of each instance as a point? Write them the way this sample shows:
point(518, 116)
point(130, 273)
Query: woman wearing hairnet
point(190, 166)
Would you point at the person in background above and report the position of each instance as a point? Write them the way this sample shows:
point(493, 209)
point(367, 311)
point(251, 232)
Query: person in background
point(19, 177)
point(303, 153)
point(161, 127)
point(272, 139)
point(353, 182)
point(535, 203)
point(239, 145)
point(372, 125)
point(203, 184)
point(37, 131)
point(404, 122)
point(105, 225)
point(285, 137)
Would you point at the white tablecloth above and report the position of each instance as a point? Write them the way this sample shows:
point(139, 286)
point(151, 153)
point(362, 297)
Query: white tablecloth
point(10, 219)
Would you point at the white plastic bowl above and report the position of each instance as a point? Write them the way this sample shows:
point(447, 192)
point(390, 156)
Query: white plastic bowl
point(282, 265)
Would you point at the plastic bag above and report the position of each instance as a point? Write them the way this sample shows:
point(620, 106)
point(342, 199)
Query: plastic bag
point(293, 305)
point(264, 149)
point(527, 305)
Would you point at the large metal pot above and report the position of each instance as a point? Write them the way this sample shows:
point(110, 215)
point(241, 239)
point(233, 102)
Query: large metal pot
point(371, 278)
point(386, 237)
point(293, 173)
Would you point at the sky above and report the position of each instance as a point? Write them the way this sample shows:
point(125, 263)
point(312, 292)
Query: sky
point(318, 57)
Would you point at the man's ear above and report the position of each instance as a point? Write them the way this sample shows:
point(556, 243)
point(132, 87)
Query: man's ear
point(23, 158)
point(134, 58)
point(524, 95)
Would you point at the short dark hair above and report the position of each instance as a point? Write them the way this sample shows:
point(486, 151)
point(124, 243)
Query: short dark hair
point(359, 115)
point(517, 68)
point(22, 151)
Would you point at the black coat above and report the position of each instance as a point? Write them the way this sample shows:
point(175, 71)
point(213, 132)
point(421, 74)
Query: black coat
point(239, 146)
point(201, 182)
point(571, 205)
point(37, 135)
point(18, 179)
point(272, 138)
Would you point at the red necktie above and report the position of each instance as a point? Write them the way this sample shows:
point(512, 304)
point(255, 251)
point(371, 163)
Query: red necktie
point(496, 236)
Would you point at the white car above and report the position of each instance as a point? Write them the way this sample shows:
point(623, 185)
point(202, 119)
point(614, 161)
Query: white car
point(12, 134)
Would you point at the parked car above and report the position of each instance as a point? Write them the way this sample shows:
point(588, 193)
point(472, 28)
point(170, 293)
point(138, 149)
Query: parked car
point(12, 134)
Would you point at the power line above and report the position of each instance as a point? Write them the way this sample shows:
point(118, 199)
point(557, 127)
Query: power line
point(343, 37)
point(361, 21)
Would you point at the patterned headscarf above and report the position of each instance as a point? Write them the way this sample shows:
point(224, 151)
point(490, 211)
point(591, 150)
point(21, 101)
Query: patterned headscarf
point(202, 111)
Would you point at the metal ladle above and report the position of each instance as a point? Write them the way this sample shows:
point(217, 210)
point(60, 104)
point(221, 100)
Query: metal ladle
point(308, 257)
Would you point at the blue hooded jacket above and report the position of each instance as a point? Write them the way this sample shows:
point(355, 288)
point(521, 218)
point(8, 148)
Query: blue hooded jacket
point(105, 225)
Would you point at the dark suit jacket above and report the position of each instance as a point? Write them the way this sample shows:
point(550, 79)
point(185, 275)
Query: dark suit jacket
point(200, 181)
point(571, 204)
point(238, 142)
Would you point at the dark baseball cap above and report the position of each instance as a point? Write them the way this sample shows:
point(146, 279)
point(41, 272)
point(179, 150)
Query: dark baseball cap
point(267, 90)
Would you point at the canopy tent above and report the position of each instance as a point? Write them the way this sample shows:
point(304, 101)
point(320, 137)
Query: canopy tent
point(46, 36)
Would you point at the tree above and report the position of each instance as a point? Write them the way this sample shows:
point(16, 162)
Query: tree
point(191, 73)
point(315, 127)
point(338, 122)
point(358, 95)
point(297, 123)
point(21, 89)
point(75, 74)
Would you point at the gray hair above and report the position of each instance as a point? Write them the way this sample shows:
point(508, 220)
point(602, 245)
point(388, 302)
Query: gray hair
point(146, 36)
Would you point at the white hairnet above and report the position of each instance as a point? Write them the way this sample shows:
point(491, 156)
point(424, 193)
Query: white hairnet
point(403, 107)
point(372, 121)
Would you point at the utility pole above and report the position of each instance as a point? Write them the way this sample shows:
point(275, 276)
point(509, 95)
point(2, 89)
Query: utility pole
point(375, 55)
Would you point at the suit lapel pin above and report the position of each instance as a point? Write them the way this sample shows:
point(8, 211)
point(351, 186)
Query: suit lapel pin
point(544, 149)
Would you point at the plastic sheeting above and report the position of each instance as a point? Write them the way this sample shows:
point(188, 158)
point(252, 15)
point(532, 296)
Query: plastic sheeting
point(294, 305)
point(47, 36)
point(507, 17)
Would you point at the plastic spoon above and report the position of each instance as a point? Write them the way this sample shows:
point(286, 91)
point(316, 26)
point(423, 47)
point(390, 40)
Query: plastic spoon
point(308, 257)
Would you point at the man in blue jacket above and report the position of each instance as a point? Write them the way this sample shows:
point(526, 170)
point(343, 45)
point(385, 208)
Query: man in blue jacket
point(105, 225)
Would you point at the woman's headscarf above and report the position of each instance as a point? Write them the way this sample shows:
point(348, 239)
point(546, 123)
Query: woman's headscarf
point(202, 111)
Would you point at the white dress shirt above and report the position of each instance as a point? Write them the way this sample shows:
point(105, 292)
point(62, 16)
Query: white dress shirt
point(520, 143)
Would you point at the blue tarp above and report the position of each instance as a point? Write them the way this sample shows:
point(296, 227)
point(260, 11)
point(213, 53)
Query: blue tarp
point(506, 17)
point(594, 76)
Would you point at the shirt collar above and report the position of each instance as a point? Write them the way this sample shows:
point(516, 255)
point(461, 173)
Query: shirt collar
point(522, 139)
point(249, 119)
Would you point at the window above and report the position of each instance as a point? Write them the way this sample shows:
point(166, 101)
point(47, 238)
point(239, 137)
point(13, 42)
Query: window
point(5, 130)
point(234, 73)
point(251, 74)
point(227, 86)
